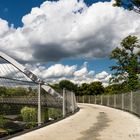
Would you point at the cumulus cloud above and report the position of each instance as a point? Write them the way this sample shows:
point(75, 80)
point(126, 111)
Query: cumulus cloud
point(66, 29)
point(58, 72)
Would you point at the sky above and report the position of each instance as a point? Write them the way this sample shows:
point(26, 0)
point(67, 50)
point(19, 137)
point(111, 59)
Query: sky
point(65, 39)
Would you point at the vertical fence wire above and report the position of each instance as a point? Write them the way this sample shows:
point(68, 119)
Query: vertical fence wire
point(125, 101)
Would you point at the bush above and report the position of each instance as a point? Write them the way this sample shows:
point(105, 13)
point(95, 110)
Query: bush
point(29, 116)
point(54, 113)
point(2, 121)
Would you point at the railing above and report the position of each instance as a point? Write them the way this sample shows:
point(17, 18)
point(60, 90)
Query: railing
point(51, 110)
point(128, 101)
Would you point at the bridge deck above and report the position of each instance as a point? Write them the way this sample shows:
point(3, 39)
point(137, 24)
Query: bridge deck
point(92, 122)
point(30, 101)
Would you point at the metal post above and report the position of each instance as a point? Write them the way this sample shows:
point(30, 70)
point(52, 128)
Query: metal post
point(72, 102)
point(114, 100)
point(39, 104)
point(83, 99)
point(89, 99)
point(131, 102)
point(108, 100)
point(101, 99)
point(64, 103)
point(95, 99)
point(122, 101)
point(77, 99)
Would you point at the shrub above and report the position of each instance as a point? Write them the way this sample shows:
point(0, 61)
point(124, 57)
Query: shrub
point(29, 116)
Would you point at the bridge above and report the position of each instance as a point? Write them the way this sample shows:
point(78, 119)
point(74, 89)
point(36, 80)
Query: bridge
point(91, 122)
point(32, 101)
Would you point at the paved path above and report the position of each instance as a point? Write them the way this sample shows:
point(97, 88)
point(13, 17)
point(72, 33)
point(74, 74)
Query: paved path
point(92, 122)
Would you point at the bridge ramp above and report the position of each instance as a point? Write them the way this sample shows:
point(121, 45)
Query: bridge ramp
point(92, 122)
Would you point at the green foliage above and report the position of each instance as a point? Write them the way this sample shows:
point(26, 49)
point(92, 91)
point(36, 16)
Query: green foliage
point(96, 88)
point(116, 88)
point(16, 91)
point(93, 88)
point(117, 3)
point(84, 89)
point(19, 91)
point(54, 113)
point(67, 85)
point(2, 91)
point(31, 92)
point(2, 121)
point(130, 4)
point(29, 116)
point(56, 87)
point(127, 63)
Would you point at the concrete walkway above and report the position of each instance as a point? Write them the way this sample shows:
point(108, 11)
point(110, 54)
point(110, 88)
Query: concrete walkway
point(92, 122)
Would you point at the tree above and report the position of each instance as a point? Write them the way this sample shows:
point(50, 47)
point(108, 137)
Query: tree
point(56, 87)
point(129, 4)
point(67, 85)
point(116, 88)
point(127, 65)
point(84, 89)
point(96, 88)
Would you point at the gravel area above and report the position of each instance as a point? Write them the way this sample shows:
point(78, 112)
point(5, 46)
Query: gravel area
point(92, 122)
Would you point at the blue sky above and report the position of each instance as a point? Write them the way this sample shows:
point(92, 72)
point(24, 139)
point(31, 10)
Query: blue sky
point(70, 38)
point(14, 10)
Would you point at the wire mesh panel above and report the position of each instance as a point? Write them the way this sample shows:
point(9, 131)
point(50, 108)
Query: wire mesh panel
point(118, 101)
point(136, 102)
point(127, 98)
point(111, 101)
point(86, 99)
point(105, 97)
point(92, 99)
point(80, 99)
point(98, 99)
point(26, 99)
point(70, 102)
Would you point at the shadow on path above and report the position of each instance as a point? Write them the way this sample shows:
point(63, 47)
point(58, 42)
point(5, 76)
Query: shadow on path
point(93, 132)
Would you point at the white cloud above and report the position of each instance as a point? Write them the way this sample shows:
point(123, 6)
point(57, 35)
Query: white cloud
point(58, 72)
point(101, 75)
point(3, 27)
point(68, 28)
point(81, 72)
point(54, 71)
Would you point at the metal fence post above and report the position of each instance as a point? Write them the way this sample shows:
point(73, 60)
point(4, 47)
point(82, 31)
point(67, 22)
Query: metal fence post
point(39, 104)
point(108, 100)
point(77, 99)
point(122, 101)
point(131, 102)
point(72, 102)
point(101, 99)
point(114, 100)
point(64, 103)
point(83, 99)
point(89, 99)
point(75, 103)
point(95, 99)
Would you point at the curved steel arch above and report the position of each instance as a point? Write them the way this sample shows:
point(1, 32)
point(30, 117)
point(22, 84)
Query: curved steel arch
point(30, 75)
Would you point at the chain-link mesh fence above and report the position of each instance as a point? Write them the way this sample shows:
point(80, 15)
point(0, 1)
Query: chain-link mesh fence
point(127, 101)
point(26, 103)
